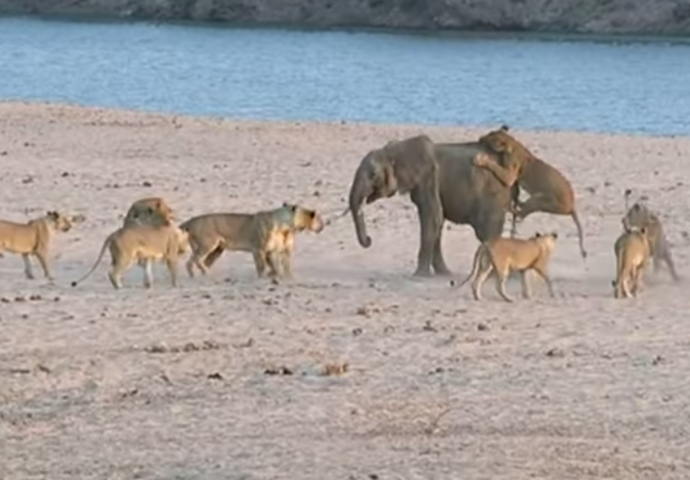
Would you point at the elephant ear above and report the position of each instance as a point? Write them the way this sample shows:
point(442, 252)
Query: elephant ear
point(412, 161)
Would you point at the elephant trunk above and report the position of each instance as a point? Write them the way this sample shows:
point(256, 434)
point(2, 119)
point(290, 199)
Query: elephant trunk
point(358, 192)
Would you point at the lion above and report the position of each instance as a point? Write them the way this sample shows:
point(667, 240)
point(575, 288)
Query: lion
point(505, 255)
point(143, 244)
point(149, 211)
point(269, 235)
point(633, 251)
point(33, 238)
point(549, 190)
point(640, 216)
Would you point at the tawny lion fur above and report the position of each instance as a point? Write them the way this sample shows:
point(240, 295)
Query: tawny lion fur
point(142, 244)
point(632, 251)
point(33, 238)
point(640, 216)
point(505, 255)
point(149, 211)
point(269, 235)
point(549, 190)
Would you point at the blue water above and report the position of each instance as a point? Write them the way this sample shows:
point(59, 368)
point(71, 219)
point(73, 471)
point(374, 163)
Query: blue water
point(630, 87)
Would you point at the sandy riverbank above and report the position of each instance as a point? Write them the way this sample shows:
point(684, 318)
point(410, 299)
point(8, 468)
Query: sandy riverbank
point(439, 386)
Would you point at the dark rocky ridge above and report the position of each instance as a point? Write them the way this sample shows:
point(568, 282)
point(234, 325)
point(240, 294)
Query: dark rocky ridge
point(657, 17)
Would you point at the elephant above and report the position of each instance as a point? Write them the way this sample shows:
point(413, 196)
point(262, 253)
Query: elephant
point(442, 182)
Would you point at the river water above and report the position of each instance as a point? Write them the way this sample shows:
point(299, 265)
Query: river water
point(631, 86)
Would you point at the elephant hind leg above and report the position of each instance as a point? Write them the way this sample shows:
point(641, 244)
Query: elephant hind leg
point(437, 261)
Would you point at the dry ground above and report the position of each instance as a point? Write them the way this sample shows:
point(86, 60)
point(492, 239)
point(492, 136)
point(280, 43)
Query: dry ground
point(170, 383)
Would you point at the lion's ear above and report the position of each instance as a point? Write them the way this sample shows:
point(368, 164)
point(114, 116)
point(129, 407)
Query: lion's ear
point(555, 235)
point(504, 128)
point(537, 234)
point(643, 230)
point(52, 214)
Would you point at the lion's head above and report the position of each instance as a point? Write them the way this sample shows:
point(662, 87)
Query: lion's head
point(500, 141)
point(150, 211)
point(545, 241)
point(305, 218)
point(637, 217)
point(60, 221)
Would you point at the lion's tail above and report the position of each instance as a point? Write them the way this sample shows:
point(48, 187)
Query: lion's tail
point(475, 265)
point(98, 260)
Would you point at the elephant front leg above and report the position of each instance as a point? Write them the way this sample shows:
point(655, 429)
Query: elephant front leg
point(430, 232)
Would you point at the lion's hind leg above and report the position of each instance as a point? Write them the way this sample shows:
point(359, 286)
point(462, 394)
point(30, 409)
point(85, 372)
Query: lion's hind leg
point(625, 277)
point(485, 270)
point(501, 277)
point(637, 274)
point(201, 253)
point(120, 264)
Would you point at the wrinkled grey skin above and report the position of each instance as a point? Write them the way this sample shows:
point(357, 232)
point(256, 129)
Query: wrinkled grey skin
point(442, 183)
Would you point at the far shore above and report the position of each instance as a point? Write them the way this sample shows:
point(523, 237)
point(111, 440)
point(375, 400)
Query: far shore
point(641, 37)
point(660, 17)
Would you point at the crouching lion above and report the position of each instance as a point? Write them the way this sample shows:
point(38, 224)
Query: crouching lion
point(632, 249)
point(549, 190)
point(143, 244)
point(640, 216)
point(269, 235)
point(505, 255)
point(149, 211)
point(33, 238)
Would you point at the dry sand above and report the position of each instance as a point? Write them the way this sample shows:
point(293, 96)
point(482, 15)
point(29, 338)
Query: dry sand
point(99, 384)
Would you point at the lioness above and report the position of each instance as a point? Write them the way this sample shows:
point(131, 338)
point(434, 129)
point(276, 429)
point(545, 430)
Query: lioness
point(143, 244)
point(505, 255)
point(269, 235)
point(640, 216)
point(33, 238)
point(633, 250)
point(149, 211)
point(549, 190)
